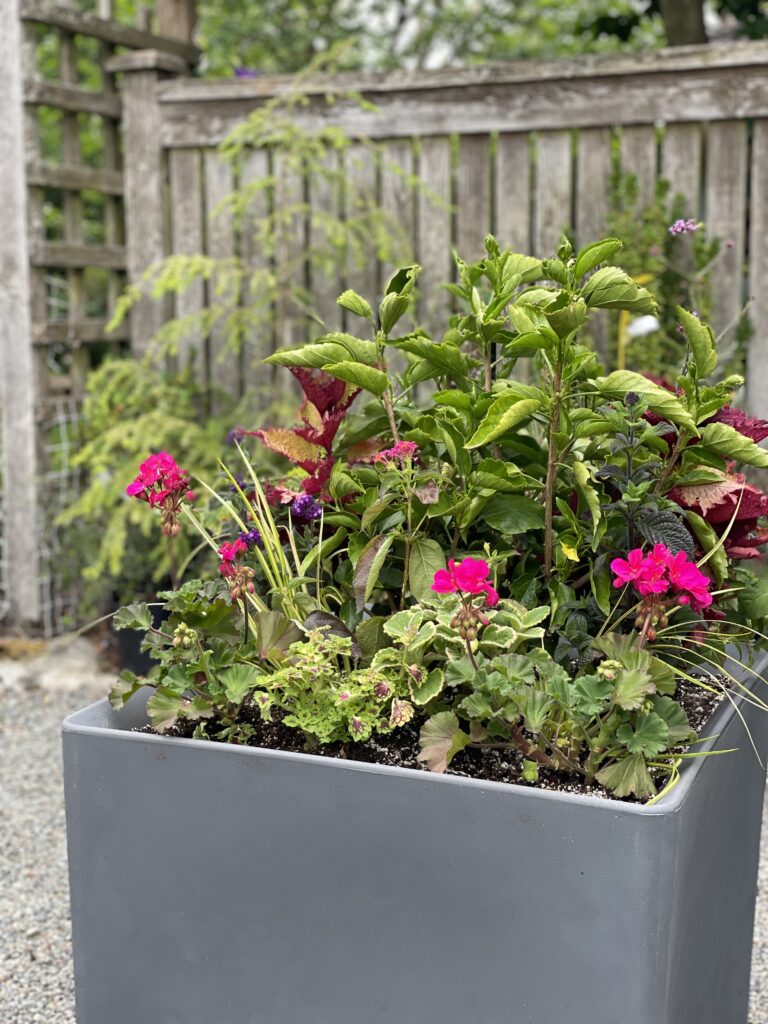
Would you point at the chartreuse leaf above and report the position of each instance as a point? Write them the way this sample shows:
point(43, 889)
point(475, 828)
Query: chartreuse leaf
point(368, 568)
point(725, 441)
point(650, 735)
point(365, 377)
point(441, 738)
point(660, 401)
point(628, 777)
point(430, 686)
point(590, 497)
point(238, 681)
point(124, 687)
point(701, 338)
point(355, 304)
point(133, 616)
point(331, 348)
point(593, 255)
point(612, 288)
point(713, 550)
point(505, 412)
point(427, 557)
point(632, 687)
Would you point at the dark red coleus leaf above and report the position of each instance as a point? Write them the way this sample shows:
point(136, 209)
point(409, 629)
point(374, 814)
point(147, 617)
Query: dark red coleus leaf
point(756, 430)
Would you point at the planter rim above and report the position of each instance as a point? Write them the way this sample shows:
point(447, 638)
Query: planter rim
point(87, 722)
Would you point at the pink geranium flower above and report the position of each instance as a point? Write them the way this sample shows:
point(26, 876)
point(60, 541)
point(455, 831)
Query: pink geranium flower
point(402, 452)
point(661, 572)
point(469, 576)
point(162, 484)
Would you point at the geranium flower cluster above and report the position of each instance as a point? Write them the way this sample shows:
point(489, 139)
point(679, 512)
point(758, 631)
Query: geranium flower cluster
point(403, 451)
point(163, 484)
point(239, 576)
point(469, 576)
point(662, 573)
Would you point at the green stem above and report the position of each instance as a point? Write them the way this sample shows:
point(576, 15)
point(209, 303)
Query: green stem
point(549, 484)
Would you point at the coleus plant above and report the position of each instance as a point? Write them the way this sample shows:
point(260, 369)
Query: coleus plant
point(527, 565)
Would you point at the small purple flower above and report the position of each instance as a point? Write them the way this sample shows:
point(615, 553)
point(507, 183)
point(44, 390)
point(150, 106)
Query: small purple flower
point(239, 482)
point(235, 434)
point(305, 508)
point(252, 538)
point(683, 227)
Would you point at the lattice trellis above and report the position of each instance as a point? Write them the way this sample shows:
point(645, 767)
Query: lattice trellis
point(63, 111)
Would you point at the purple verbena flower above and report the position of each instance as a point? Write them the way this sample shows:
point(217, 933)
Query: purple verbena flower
point(683, 227)
point(251, 538)
point(305, 508)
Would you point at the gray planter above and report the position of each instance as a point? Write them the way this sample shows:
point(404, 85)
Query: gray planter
point(223, 885)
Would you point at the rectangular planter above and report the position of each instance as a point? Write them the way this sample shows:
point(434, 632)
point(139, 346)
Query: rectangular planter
point(214, 884)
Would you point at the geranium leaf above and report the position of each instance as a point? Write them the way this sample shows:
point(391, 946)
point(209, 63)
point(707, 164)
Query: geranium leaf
point(133, 616)
point(429, 688)
point(124, 688)
point(680, 730)
point(650, 735)
point(590, 694)
point(632, 687)
point(441, 738)
point(628, 777)
point(238, 681)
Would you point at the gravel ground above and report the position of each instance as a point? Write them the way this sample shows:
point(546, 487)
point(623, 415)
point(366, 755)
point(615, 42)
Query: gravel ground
point(35, 966)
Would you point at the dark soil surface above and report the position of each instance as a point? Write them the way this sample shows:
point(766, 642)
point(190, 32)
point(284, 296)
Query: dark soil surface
point(400, 747)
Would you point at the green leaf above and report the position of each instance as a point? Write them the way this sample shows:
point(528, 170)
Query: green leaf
point(371, 637)
point(534, 706)
point(593, 255)
point(368, 568)
point(505, 412)
point(710, 542)
point(331, 348)
point(660, 401)
point(628, 777)
point(600, 584)
point(701, 338)
point(403, 280)
point(430, 687)
point(632, 687)
point(725, 441)
point(322, 550)
point(165, 707)
point(612, 288)
point(133, 616)
point(440, 739)
point(590, 694)
point(333, 625)
point(590, 497)
point(124, 687)
point(680, 730)
point(361, 376)
point(649, 737)
point(355, 304)
point(427, 557)
point(476, 706)
point(275, 633)
point(392, 308)
point(512, 514)
point(238, 681)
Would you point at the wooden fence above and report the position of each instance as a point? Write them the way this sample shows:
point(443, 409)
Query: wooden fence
point(522, 150)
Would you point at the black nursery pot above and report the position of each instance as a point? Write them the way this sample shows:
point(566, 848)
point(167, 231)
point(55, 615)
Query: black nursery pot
point(217, 884)
point(129, 650)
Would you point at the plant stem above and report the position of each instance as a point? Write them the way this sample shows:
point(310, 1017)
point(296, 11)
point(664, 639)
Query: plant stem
point(471, 655)
point(682, 441)
point(549, 484)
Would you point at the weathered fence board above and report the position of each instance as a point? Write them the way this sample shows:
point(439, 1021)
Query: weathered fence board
point(513, 191)
point(681, 164)
point(433, 246)
point(187, 239)
point(473, 196)
point(638, 157)
point(221, 359)
point(553, 190)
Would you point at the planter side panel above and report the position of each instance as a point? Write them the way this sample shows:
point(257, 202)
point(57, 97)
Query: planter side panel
point(220, 886)
point(712, 900)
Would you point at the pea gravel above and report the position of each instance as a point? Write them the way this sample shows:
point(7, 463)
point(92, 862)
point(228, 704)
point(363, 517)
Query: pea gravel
point(35, 956)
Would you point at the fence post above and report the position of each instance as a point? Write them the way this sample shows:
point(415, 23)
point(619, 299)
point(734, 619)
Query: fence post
point(176, 18)
point(17, 370)
point(144, 176)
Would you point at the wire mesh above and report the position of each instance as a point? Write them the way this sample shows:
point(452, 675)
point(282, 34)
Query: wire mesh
point(61, 483)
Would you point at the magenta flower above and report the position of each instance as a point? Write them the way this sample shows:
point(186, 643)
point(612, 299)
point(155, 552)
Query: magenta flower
point(469, 576)
point(661, 572)
point(403, 451)
point(162, 484)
